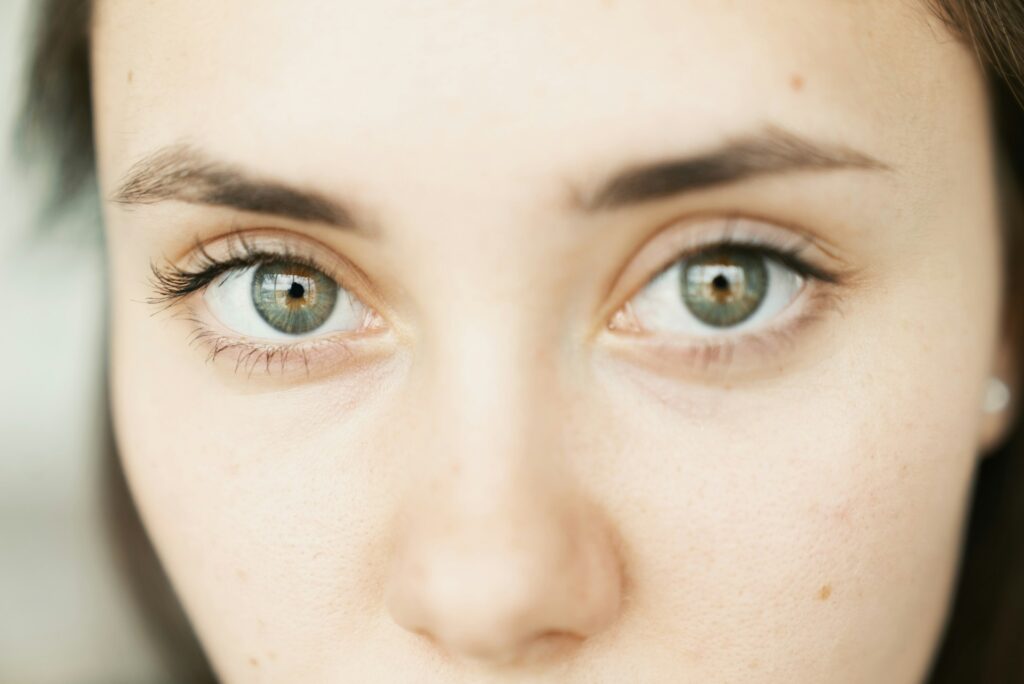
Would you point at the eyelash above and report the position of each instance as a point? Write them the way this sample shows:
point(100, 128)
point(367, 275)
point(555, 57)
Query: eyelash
point(706, 352)
point(709, 352)
point(173, 283)
point(787, 255)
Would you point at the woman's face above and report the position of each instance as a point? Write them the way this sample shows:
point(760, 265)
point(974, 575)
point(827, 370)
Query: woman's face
point(569, 342)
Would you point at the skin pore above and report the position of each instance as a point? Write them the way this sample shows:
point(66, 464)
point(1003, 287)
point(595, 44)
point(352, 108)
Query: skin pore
point(509, 454)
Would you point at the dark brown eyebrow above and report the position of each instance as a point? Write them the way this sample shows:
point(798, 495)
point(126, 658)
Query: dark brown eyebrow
point(772, 151)
point(183, 173)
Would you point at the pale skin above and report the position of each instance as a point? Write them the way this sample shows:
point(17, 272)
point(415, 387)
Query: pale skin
point(502, 478)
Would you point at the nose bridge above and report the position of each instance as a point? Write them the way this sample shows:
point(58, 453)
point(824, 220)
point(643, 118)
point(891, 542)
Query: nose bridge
point(491, 446)
point(499, 555)
point(490, 415)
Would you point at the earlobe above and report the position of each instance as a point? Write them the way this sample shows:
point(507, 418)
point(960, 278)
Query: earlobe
point(999, 401)
point(997, 396)
point(996, 420)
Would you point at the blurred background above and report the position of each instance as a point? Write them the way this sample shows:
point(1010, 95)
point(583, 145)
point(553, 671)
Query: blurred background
point(65, 614)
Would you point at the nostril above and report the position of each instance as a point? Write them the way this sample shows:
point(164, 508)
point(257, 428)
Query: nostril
point(538, 649)
point(424, 633)
point(551, 644)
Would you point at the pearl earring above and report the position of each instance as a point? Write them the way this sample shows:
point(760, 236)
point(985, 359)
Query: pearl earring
point(997, 396)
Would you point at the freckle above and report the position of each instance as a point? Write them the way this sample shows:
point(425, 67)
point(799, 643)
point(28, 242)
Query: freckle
point(242, 576)
point(254, 662)
point(796, 82)
point(824, 592)
point(131, 76)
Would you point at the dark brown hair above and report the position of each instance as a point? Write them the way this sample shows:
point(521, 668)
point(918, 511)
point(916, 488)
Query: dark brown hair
point(984, 637)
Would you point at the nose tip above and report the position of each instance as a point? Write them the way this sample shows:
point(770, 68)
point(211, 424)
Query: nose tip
point(507, 599)
point(486, 611)
point(489, 611)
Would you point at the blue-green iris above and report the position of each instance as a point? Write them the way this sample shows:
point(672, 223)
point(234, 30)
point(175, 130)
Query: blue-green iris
point(293, 298)
point(724, 286)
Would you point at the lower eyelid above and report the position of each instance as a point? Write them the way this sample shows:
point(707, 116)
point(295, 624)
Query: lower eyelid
point(304, 358)
point(670, 353)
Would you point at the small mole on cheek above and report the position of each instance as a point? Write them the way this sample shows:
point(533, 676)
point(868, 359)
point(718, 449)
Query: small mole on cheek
point(796, 82)
point(254, 662)
point(824, 592)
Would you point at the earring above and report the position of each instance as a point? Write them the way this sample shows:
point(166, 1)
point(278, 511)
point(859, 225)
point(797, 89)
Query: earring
point(997, 396)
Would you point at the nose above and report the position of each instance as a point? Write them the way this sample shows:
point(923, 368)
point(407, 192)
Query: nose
point(499, 559)
point(506, 581)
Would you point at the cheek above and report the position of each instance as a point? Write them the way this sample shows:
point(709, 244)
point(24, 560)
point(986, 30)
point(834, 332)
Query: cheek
point(265, 507)
point(818, 510)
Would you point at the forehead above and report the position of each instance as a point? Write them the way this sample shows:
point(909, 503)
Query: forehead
point(334, 79)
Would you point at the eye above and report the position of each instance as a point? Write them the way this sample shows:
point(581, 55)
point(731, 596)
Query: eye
point(281, 299)
point(722, 288)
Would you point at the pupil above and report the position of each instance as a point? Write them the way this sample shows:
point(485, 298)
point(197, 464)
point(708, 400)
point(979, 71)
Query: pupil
point(720, 282)
point(296, 291)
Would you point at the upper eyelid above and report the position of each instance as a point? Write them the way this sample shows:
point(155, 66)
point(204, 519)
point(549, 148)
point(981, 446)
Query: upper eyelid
point(788, 258)
point(173, 281)
point(685, 236)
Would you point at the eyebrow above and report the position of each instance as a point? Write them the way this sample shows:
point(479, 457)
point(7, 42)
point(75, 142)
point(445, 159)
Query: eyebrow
point(181, 172)
point(772, 151)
